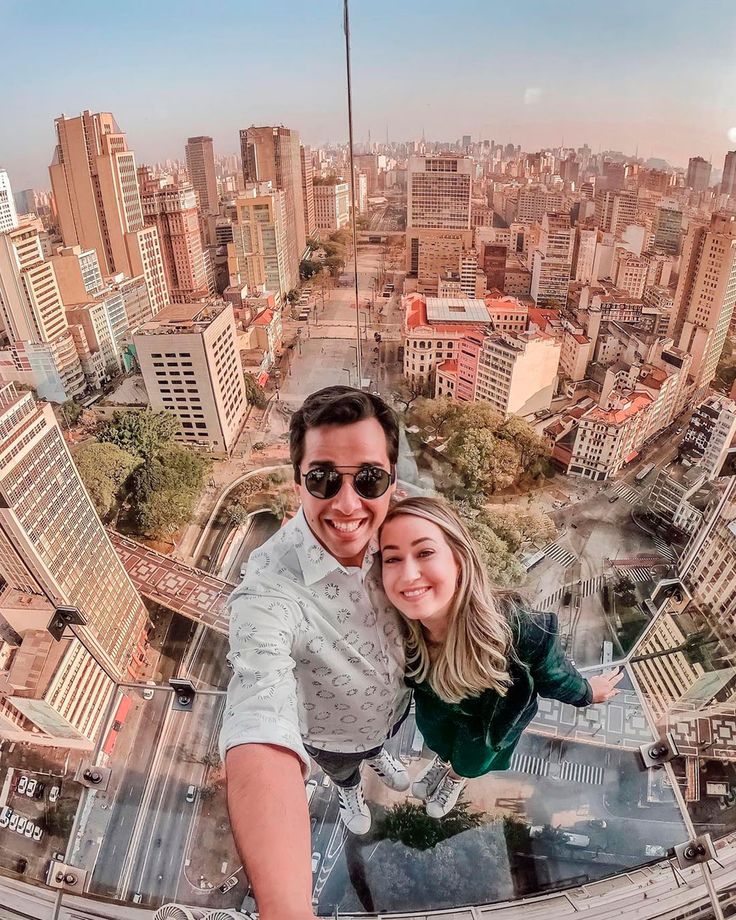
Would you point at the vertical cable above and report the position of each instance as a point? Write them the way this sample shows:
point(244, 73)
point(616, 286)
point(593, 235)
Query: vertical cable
point(358, 355)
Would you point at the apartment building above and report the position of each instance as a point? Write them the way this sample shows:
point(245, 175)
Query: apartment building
point(609, 436)
point(331, 204)
point(53, 552)
point(551, 262)
point(614, 210)
point(8, 215)
point(517, 372)
point(191, 367)
point(710, 433)
point(631, 273)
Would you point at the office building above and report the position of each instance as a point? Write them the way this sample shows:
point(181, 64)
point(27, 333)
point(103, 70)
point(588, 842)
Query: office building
point(552, 261)
point(8, 216)
point(698, 174)
point(95, 184)
point(709, 434)
point(614, 210)
point(668, 228)
point(171, 207)
point(200, 157)
point(706, 294)
point(517, 372)
point(438, 227)
point(258, 255)
point(54, 551)
point(41, 351)
point(331, 204)
point(630, 275)
point(493, 263)
point(728, 182)
point(272, 154)
point(191, 367)
point(305, 158)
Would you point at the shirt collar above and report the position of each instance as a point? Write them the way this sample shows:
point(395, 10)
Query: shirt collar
point(316, 563)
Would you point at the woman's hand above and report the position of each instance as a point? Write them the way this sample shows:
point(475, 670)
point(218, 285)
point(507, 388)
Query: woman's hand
point(604, 685)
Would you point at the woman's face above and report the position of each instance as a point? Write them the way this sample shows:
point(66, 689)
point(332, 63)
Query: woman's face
point(420, 572)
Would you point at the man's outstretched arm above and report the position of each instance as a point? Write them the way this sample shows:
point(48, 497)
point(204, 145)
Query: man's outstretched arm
point(270, 823)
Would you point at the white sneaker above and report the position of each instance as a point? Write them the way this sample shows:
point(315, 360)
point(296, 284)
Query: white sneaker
point(391, 771)
point(429, 779)
point(354, 812)
point(445, 797)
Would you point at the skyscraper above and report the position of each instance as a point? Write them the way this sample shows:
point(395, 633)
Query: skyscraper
point(552, 261)
point(698, 174)
point(310, 224)
point(728, 182)
point(8, 217)
point(93, 176)
point(272, 154)
point(200, 156)
point(54, 551)
point(668, 229)
point(41, 351)
point(171, 207)
point(706, 294)
point(438, 228)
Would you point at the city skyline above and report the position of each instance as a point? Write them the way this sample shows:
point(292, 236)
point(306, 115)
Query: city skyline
point(634, 95)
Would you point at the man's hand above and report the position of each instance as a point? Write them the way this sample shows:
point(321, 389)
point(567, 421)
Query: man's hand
point(604, 685)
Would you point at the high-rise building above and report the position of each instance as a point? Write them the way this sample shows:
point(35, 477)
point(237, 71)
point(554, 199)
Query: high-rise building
point(305, 157)
point(728, 182)
point(706, 294)
point(552, 261)
point(54, 552)
point(171, 207)
point(630, 273)
point(41, 351)
point(709, 434)
point(258, 255)
point(698, 174)
point(331, 204)
point(93, 176)
point(191, 367)
point(8, 217)
point(272, 154)
point(438, 225)
point(614, 210)
point(668, 228)
point(200, 158)
point(493, 263)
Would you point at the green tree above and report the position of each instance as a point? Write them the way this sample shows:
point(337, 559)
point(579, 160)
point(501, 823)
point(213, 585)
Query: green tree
point(237, 514)
point(503, 567)
point(105, 469)
point(406, 392)
point(532, 449)
point(254, 392)
point(140, 433)
point(292, 296)
point(335, 265)
point(165, 489)
point(308, 268)
point(517, 526)
point(409, 823)
point(484, 462)
point(435, 416)
point(69, 413)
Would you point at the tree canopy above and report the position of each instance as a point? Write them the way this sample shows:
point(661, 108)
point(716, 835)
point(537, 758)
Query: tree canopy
point(140, 433)
point(165, 489)
point(105, 469)
point(254, 392)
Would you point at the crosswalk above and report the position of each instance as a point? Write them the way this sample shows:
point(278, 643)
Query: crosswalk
point(581, 773)
point(527, 763)
point(580, 588)
point(637, 573)
point(664, 549)
point(631, 496)
point(560, 555)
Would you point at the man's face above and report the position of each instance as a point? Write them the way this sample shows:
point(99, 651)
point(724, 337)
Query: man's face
point(345, 523)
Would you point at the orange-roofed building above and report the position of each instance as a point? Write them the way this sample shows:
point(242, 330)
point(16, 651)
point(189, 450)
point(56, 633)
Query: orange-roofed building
point(507, 314)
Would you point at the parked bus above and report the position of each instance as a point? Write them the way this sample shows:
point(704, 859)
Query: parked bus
point(121, 715)
point(644, 472)
point(607, 653)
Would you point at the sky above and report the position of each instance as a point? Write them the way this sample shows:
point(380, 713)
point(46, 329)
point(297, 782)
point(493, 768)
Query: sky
point(657, 76)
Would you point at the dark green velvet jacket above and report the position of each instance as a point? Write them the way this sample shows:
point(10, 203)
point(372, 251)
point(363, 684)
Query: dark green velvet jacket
point(480, 733)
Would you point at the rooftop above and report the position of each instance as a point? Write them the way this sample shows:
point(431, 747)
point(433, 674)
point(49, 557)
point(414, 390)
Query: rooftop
point(456, 310)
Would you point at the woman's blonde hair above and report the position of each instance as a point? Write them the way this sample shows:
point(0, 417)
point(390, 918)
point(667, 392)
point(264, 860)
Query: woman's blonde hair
point(474, 655)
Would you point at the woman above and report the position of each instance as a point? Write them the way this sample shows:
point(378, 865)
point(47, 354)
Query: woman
point(477, 659)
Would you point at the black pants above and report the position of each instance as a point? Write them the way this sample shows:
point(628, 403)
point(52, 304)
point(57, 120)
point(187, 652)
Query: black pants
point(344, 768)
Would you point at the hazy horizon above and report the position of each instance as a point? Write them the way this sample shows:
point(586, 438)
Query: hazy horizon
point(641, 76)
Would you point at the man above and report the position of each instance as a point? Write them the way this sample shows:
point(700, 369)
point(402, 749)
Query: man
point(316, 650)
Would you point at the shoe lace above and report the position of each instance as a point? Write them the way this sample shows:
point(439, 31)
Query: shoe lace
point(436, 772)
point(352, 797)
point(446, 789)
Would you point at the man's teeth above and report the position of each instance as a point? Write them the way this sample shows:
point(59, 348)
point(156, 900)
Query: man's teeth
point(417, 592)
point(347, 527)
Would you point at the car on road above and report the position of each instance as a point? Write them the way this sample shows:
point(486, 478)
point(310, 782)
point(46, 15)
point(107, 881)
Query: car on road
point(37, 833)
point(31, 788)
point(54, 794)
point(149, 692)
point(5, 815)
point(325, 780)
point(191, 793)
point(597, 822)
point(613, 499)
point(137, 897)
point(21, 825)
point(310, 789)
point(22, 783)
point(228, 884)
point(316, 857)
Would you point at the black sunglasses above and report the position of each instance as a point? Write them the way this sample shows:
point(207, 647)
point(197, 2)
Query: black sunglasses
point(325, 481)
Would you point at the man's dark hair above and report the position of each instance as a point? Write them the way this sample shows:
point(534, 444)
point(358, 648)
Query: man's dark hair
point(341, 405)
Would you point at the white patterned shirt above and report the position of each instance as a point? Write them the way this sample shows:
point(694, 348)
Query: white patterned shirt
point(317, 650)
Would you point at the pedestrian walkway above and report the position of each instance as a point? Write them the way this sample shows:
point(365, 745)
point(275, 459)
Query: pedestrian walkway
point(581, 773)
point(637, 573)
point(559, 554)
point(631, 496)
point(526, 763)
point(665, 549)
point(579, 588)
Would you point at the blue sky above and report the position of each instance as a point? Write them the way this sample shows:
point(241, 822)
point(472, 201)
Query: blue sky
point(659, 75)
